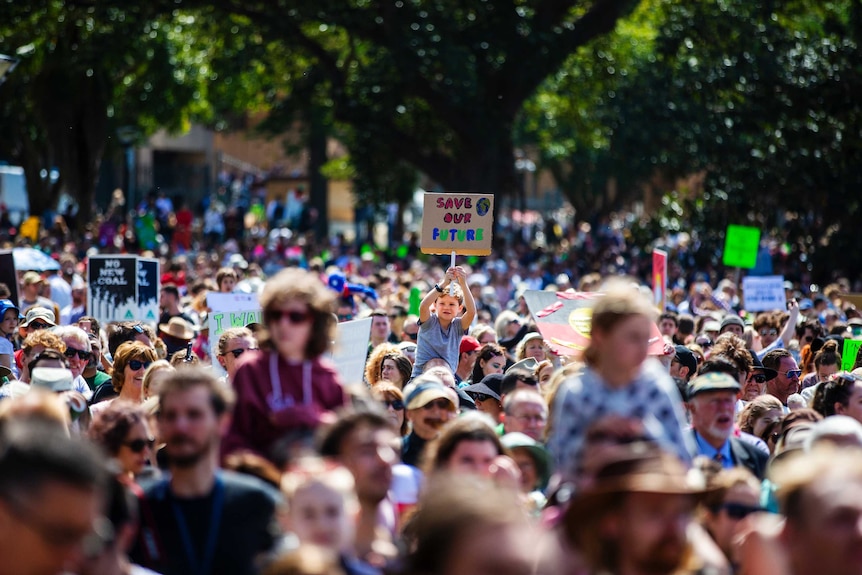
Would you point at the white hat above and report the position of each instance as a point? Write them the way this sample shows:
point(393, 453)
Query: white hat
point(51, 378)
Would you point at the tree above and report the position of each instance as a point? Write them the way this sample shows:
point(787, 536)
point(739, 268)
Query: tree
point(86, 69)
point(756, 96)
point(434, 83)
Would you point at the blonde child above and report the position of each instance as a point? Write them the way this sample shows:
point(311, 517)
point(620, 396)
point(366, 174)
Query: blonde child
point(440, 331)
point(321, 506)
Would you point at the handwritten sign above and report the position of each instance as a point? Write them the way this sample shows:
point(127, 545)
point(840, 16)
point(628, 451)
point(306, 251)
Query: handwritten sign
point(113, 293)
point(741, 244)
point(456, 222)
point(659, 278)
point(229, 310)
point(763, 293)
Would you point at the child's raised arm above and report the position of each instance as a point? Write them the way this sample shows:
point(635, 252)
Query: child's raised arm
point(469, 303)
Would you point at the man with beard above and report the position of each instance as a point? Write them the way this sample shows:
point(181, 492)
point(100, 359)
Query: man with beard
point(364, 442)
point(635, 515)
point(711, 402)
point(430, 405)
point(786, 382)
point(201, 519)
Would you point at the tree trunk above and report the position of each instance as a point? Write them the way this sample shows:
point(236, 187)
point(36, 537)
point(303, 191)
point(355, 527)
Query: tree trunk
point(318, 192)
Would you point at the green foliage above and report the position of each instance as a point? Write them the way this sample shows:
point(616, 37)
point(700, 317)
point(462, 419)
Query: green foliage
point(86, 70)
point(756, 96)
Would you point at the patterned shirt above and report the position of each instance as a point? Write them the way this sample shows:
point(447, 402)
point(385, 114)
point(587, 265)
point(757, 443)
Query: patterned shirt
point(584, 398)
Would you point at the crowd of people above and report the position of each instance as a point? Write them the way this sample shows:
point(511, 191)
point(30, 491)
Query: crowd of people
point(469, 446)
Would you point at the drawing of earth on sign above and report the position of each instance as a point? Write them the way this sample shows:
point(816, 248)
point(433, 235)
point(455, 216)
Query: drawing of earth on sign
point(565, 320)
point(482, 206)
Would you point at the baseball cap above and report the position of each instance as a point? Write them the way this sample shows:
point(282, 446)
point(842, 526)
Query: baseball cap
point(468, 344)
point(6, 305)
point(52, 378)
point(711, 325)
point(686, 358)
point(713, 381)
point(490, 385)
point(805, 304)
point(31, 278)
point(731, 319)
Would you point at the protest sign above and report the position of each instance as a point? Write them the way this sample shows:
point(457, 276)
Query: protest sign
point(229, 310)
point(8, 275)
point(113, 283)
point(148, 290)
point(351, 349)
point(741, 245)
point(849, 352)
point(459, 223)
point(659, 278)
point(565, 320)
point(763, 293)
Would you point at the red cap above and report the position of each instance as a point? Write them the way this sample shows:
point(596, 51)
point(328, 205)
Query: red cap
point(469, 343)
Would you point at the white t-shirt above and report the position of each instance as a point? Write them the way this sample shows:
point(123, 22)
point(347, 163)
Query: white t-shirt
point(6, 348)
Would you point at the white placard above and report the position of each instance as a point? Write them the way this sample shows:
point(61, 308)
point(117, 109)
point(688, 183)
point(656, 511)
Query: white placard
point(764, 293)
point(229, 310)
point(351, 349)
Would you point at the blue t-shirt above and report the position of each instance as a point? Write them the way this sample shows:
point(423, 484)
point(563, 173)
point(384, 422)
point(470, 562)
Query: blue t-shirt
point(434, 341)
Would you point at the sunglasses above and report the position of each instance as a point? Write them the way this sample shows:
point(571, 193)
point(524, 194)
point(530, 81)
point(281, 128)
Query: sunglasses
point(138, 445)
point(413, 336)
point(238, 352)
point(136, 364)
point(759, 378)
point(345, 317)
point(480, 397)
point(438, 403)
point(71, 352)
point(38, 325)
point(737, 510)
point(793, 373)
point(293, 316)
point(768, 332)
point(138, 328)
point(395, 404)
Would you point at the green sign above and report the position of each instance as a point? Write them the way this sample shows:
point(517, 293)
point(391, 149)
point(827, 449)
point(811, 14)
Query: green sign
point(741, 244)
point(848, 354)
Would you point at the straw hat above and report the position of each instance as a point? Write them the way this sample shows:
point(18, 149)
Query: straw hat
point(178, 328)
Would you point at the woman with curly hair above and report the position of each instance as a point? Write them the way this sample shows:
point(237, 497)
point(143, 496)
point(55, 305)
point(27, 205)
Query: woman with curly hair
point(130, 363)
point(374, 364)
point(121, 429)
point(289, 387)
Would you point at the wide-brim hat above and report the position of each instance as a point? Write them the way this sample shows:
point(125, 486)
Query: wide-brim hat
point(757, 365)
point(178, 328)
point(528, 364)
point(490, 385)
point(631, 468)
point(541, 456)
point(426, 392)
point(41, 313)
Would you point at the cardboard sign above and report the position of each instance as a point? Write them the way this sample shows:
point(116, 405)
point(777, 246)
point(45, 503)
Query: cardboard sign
point(8, 275)
point(460, 223)
point(763, 293)
point(113, 293)
point(351, 349)
point(565, 320)
point(148, 290)
point(741, 245)
point(849, 352)
point(659, 279)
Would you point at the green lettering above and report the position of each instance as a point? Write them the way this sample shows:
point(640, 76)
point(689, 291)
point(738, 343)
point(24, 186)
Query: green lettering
point(218, 317)
point(479, 233)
